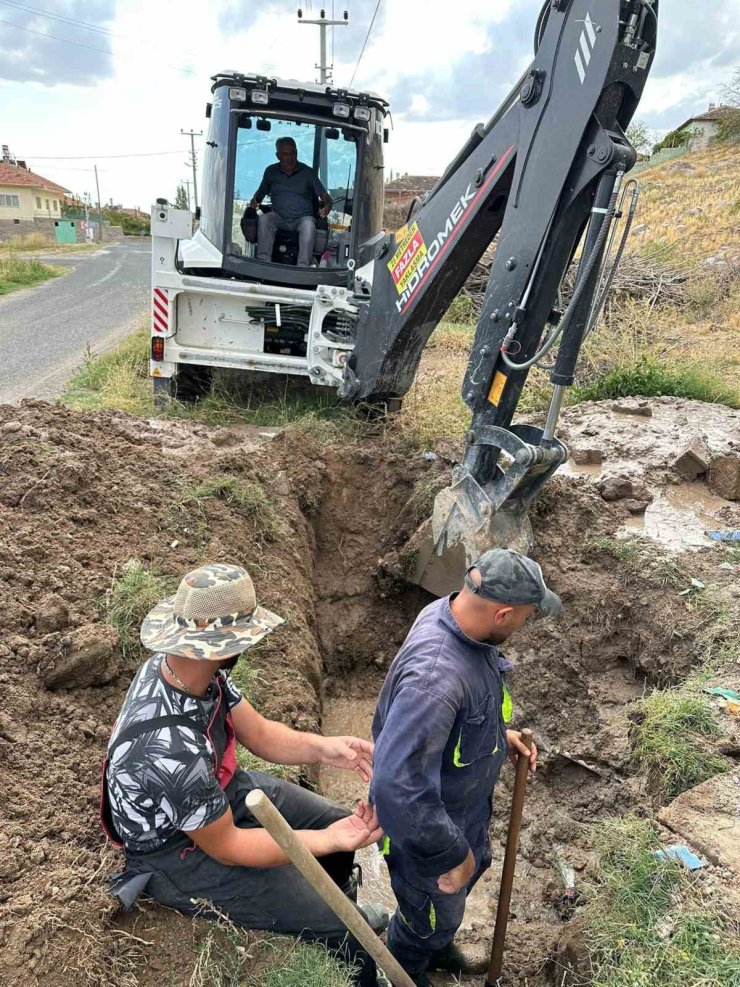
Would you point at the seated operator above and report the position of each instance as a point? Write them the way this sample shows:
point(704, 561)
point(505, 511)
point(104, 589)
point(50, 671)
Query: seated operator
point(292, 187)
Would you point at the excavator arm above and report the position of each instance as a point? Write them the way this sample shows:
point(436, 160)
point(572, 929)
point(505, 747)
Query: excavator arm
point(542, 177)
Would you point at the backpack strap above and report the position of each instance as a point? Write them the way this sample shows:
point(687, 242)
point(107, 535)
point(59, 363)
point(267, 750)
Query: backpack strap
point(149, 726)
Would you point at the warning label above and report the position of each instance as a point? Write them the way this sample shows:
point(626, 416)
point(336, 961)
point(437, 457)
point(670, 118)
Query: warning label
point(410, 252)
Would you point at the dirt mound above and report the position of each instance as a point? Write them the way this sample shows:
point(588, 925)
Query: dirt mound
point(82, 495)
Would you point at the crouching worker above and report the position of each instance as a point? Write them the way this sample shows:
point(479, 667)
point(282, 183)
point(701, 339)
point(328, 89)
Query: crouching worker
point(173, 795)
point(441, 738)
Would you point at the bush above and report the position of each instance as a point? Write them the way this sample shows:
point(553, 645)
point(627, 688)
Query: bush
point(648, 378)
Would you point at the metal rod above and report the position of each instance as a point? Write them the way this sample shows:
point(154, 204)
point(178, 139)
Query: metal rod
point(265, 812)
point(553, 412)
point(100, 211)
point(507, 874)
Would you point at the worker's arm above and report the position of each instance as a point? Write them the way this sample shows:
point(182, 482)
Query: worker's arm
point(407, 766)
point(236, 847)
point(277, 743)
point(261, 192)
point(323, 196)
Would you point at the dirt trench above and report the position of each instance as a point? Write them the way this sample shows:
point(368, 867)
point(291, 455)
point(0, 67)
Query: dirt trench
point(81, 495)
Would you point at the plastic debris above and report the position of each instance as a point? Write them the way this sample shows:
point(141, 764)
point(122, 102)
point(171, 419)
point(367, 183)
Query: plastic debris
point(430, 457)
point(696, 584)
point(566, 872)
point(678, 851)
point(716, 690)
point(724, 535)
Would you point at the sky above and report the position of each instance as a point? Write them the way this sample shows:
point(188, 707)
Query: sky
point(113, 82)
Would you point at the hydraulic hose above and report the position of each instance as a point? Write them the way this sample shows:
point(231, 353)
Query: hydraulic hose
point(577, 294)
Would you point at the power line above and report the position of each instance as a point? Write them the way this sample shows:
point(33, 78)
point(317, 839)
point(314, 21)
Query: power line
point(78, 44)
point(77, 23)
point(97, 157)
point(364, 43)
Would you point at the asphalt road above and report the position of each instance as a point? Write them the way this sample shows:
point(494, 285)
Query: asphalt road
point(45, 331)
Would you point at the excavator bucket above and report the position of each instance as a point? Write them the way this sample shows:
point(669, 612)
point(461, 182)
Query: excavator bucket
point(468, 519)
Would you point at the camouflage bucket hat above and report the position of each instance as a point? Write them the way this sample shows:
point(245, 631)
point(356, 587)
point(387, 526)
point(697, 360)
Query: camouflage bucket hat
point(509, 577)
point(214, 615)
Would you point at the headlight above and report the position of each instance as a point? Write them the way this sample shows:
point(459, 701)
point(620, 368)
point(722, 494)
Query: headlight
point(362, 113)
point(238, 94)
point(341, 110)
point(260, 96)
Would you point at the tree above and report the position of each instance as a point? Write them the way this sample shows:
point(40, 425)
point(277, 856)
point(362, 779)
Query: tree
point(638, 136)
point(181, 198)
point(729, 123)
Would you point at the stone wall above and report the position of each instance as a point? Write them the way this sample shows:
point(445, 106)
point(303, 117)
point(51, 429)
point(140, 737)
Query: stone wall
point(11, 229)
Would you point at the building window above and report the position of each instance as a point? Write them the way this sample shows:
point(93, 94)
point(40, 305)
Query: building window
point(38, 201)
point(47, 204)
point(10, 201)
point(54, 204)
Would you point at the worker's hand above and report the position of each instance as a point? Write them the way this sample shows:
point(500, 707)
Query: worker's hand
point(457, 878)
point(349, 753)
point(324, 211)
point(516, 747)
point(357, 831)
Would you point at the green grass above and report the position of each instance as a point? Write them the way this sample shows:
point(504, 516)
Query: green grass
point(303, 965)
point(648, 378)
point(120, 379)
point(16, 273)
point(129, 600)
point(648, 926)
point(247, 496)
point(672, 739)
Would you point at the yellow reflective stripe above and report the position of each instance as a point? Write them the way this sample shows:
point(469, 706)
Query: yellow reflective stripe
point(456, 755)
point(507, 707)
point(385, 847)
point(432, 916)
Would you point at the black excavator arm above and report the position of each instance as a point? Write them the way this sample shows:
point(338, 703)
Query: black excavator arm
point(543, 177)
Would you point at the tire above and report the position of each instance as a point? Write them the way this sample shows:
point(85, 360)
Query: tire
point(191, 384)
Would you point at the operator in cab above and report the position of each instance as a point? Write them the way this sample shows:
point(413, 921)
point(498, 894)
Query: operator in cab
point(174, 795)
point(293, 188)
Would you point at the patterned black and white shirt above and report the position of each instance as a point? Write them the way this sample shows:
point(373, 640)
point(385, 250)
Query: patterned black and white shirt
point(162, 781)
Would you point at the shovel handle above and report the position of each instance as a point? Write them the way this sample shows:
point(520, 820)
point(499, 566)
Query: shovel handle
point(277, 826)
point(507, 873)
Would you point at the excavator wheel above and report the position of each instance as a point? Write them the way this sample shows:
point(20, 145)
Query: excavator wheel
point(191, 384)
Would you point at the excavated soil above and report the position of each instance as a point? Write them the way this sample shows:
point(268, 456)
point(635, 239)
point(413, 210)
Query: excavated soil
point(83, 494)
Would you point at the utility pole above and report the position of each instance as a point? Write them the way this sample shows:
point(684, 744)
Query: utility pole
point(186, 183)
point(100, 211)
point(192, 134)
point(325, 71)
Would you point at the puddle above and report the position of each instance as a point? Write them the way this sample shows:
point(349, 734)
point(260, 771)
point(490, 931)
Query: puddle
point(342, 716)
point(679, 517)
point(569, 468)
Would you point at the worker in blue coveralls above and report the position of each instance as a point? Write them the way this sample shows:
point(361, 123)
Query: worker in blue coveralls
point(441, 737)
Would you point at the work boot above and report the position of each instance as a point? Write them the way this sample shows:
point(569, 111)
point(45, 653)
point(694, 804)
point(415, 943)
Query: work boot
point(377, 917)
point(458, 960)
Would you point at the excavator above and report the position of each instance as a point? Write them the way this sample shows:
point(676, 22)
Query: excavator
point(544, 181)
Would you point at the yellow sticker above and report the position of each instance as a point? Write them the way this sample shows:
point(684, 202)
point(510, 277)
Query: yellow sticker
point(410, 252)
point(402, 233)
point(497, 388)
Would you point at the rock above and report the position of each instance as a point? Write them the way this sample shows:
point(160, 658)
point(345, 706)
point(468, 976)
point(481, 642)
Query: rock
point(10, 427)
point(586, 456)
point(11, 731)
point(694, 459)
point(623, 488)
point(226, 437)
point(636, 506)
point(89, 660)
point(724, 477)
point(51, 614)
point(629, 406)
point(707, 818)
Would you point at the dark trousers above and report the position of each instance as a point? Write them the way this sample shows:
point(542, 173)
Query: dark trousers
point(276, 899)
point(426, 920)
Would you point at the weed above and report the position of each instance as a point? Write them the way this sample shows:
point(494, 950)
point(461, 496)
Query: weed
point(648, 378)
point(307, 964)
point(247, 496)
point(16, 272)
point(670, 739)
point(247, 679)
point(461, 310)
point(218, 963)
point(129, 600)
point(648, 925)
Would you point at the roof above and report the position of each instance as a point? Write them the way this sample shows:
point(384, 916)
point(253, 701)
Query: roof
point(713, 114)
point(412, 183)
point(14, 175)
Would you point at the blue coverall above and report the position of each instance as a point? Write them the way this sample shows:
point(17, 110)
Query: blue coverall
point(440, 740)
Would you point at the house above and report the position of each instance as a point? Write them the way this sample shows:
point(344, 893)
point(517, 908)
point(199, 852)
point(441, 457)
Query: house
point(28, 202)
point(402, 190)
point(703, 127)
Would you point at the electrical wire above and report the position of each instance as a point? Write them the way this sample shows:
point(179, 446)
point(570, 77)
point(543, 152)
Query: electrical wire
point(98, 157)
point(79, 44)
point(364, 43)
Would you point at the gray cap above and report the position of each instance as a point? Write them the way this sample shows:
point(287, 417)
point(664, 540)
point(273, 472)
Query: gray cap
point(508, 577)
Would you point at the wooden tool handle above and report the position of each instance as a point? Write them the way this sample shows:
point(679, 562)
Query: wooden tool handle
point(265, 812)
point(507, 873)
